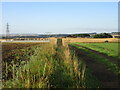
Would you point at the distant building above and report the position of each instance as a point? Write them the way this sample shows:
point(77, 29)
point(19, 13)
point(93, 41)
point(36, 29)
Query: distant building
point(115, 34)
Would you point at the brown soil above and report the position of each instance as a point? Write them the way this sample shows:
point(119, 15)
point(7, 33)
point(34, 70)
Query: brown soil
point(107, 78)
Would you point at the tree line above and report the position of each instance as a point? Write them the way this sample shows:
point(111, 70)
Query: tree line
point(101, 35)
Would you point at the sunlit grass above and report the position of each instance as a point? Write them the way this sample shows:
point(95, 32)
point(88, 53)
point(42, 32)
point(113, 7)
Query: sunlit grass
point(109, 65)
point(48, 66)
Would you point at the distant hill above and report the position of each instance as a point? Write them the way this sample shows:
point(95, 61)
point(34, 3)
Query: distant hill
point(53, 35)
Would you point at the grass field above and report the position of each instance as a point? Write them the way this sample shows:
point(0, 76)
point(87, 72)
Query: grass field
point(102, 59)
point(108, 49)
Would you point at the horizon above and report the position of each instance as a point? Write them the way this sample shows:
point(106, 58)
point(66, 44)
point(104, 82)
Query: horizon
point(60, 17)
point(57, 33)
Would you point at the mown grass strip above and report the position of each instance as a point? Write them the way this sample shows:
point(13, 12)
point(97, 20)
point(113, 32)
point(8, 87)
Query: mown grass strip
point(109, 49)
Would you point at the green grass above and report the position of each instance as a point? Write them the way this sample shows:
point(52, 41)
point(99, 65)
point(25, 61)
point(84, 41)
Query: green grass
point(109, 49)
point(109, 65)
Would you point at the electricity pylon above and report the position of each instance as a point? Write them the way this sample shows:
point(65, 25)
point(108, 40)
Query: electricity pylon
point(7, 31)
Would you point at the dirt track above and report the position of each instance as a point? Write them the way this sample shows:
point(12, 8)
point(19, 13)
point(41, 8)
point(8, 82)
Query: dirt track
point(108, 78)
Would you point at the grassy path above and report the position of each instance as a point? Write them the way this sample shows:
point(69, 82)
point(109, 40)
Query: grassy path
point(108, 78)
point(71, 72)
point(47, 67)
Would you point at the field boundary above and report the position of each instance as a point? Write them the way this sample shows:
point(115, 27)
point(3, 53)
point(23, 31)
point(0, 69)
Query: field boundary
point(110, 58)
point(28, 41)
point(107, 78)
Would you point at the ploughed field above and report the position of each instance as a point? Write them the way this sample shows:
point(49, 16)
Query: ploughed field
point(14, 55)
point(50, 65)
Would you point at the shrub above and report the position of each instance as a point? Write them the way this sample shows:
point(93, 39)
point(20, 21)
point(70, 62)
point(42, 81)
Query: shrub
point(102, 35)
point(81, 35)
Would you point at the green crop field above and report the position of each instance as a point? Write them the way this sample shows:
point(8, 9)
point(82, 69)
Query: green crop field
point(110, 49)
point(109, 56)
point(102, 59)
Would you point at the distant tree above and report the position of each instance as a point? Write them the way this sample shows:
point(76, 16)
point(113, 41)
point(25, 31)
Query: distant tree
point(103, 35)
point(81, 35)
point(71, 36)
point(2, 37)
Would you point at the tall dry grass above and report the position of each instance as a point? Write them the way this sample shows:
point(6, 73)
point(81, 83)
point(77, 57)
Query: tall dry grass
point(46, 69)
point(49, 66)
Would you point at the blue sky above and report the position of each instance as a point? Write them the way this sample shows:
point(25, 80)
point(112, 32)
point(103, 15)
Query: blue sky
point(60, 17)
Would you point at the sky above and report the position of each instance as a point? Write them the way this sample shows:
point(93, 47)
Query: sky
point(60, 17)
